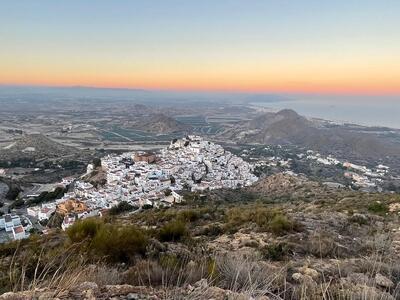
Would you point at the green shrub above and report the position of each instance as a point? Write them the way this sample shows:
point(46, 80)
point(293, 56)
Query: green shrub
point(84, 229)
point(167, 192)
point(17, 204)
point(96, 162)
point(275, 252)
point(173, 231)
point(48, 196)
point(169, 261)
point(189, 215)
point(359, 219)
point(9, 248)
point(212, 230)
point(122, 207)
point(378, 208)
point(119, 243)
point(266, 219)
point(280, 224)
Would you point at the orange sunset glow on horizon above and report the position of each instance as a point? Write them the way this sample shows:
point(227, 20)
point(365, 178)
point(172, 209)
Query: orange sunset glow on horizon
point(341, 48)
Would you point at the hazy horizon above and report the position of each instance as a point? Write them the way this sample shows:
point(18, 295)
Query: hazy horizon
point(358, 109)
point(254, 46)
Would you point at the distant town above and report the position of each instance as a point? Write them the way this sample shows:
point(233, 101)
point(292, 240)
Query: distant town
point(143, 180)
point(362, 177)
point(159, 179)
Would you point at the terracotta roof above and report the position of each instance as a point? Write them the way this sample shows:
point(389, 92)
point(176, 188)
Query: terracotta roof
point(19, 229)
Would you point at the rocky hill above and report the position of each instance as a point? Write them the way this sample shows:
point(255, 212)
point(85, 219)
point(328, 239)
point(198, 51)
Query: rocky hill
point(45, 159)
point(287, 127)
point(160, 123)
point(312, 242)
point(35, 146)
point(283, 184)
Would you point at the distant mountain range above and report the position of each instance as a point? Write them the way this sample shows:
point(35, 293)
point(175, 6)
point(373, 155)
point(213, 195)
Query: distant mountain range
point(160, 97)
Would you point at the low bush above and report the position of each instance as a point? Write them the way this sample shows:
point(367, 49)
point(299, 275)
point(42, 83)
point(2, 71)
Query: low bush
point(281, 224)
point(189, 215)
point(359, 219)
point(323, 245)
point(121, 208)
point(84, 229)
point(112, 242)
point(378, 208)
point(211, 230)
point(119, 244)
point(17, 204)
point(266, 219)
point(173, 231)
point(275, 252)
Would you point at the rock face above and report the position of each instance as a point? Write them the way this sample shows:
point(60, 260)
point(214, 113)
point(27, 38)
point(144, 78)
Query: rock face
point(282, 184)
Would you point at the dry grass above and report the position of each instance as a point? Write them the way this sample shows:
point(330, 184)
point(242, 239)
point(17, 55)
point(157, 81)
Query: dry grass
point(249, 277)
point(59, 274)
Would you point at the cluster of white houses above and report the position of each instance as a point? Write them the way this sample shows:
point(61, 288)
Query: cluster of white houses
point(154, 180)
point(15, 226)
point(360, 176)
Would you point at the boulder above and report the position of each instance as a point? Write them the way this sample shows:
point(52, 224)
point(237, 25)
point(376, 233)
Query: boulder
point(383, 281)
point(310, 272)
point(84, 286)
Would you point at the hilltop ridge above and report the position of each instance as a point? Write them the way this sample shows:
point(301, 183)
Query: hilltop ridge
point(161, 123)
point(35, 147)
point(286, 127)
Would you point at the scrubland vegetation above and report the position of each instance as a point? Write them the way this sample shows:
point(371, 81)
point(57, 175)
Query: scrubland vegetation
point(338, 244)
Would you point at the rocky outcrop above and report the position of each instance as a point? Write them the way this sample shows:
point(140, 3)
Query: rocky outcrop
point(91, 291)
point(283, 184)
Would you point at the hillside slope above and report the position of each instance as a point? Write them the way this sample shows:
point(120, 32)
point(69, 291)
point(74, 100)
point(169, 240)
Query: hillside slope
point(160, 123)
point(34, 147)
point(287, 127)
point(313, 243)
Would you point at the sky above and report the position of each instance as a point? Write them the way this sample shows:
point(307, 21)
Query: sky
point(291, 46)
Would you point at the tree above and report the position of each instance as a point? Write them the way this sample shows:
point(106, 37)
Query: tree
point(96, 163)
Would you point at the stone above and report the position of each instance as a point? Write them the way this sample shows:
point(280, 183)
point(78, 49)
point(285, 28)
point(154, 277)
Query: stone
point(14, 296)
point(358, 278)
point(89, 294)
point(297, 277)
point(84, 286)
point(383, 281)
point(217, 293)
point(310, 272)
point(46, 296)
point(304, 279)
point(394, 207)
point(202, 283)
point(123, 289)
point(132, 296)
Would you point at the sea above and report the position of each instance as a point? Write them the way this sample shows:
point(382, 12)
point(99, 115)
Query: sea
point(369, 111)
